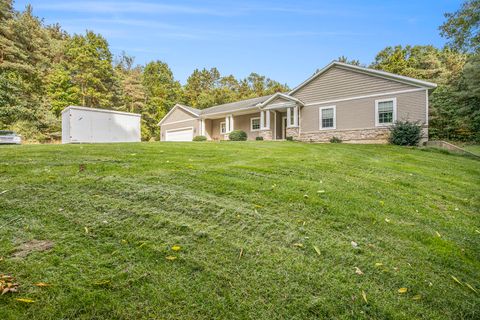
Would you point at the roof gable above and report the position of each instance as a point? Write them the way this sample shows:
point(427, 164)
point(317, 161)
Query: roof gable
point(372, 72)
point(188, 110)
point(280, 98)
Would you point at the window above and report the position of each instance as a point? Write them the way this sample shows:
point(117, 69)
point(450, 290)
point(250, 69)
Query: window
point(385, 111)
point(328, 117)
point(223, 127)
point(254, 124)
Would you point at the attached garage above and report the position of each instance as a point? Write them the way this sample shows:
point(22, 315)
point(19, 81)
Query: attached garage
point(182, 134)
point(181, 123)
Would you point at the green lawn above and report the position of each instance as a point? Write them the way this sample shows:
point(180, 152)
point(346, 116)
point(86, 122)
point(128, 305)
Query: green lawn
point(473, 148)
point(265, 231)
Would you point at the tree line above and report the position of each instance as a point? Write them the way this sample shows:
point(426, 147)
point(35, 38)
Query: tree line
point(43, 69)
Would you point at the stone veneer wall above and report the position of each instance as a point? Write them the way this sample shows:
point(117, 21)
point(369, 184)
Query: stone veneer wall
point(293, 132)
point(374, 135)
point(266, 134)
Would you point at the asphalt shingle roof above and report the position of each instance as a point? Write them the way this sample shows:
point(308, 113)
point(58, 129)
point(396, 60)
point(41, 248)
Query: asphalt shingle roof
point(227, 107)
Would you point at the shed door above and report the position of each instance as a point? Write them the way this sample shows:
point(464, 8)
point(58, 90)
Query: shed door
point(179, 135)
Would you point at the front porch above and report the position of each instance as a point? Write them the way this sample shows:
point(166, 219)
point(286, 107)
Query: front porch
point(275, 119)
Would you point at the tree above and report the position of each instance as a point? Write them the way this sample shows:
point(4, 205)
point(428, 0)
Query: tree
point(25, 59)
point(132, 93)
point(200, 87)
point(463, 27)
point(162, 93)
point(89, 62)
point(421, 62)
point(352, 62)
point(61, 91)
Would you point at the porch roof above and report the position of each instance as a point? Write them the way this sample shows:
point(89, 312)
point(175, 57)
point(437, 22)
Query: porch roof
point(286, 100)
point(235, 106)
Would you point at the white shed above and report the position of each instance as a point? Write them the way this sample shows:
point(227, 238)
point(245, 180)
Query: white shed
point(89, 125)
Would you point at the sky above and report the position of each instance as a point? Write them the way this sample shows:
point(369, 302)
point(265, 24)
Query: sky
point(283, 40)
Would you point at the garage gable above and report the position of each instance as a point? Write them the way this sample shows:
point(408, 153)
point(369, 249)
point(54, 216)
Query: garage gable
point(177, 114)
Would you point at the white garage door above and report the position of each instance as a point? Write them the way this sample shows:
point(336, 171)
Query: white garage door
point(179, 135)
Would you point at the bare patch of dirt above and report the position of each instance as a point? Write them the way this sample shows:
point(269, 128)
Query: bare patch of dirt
point(26, 248)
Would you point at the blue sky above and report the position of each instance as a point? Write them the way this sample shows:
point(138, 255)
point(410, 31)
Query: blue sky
point(284, 40)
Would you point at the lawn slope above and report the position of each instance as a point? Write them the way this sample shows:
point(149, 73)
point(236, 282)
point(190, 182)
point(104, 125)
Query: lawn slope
point(265, 231)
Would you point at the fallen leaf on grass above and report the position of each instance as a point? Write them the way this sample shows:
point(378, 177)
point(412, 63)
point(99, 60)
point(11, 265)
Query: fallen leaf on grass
point(364, 296)
point(358, 271)
point(378, 264)
point(471, 288)
point(41, 284)
point(321, 191)
point(354, 244)
point(402, 290)
point(102, 282)
point(86, 230)
point(25, 300)
point(176, 248)
point(387, 220)
point(298, 245)
point(170, 258)
point(317, 250)
point(417, 297)
point(456, 280)
point(7, 284)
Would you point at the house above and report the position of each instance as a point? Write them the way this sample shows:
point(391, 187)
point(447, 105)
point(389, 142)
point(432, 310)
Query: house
point(353, 103)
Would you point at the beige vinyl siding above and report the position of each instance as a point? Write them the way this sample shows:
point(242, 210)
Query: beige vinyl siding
point(279, 100)
point(239, 123)
point(184, 124)
point(360, 113)
point(178, 115)
point(339, 83)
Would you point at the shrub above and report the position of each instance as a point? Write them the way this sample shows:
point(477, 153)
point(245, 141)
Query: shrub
point(335, 140)
point(199, 138)
point(259, 138)
point(238, 135)
point(405, 133)
point(289, 138)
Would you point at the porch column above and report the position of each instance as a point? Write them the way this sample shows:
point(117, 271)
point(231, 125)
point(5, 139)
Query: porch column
point(267, 120)
point(289, 117)
point(229, 123)
point(295, 116)
point(262, 120)
point(202, 127)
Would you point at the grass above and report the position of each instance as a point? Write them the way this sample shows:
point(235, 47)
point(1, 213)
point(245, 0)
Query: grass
point(473, 148)
point(265, 231)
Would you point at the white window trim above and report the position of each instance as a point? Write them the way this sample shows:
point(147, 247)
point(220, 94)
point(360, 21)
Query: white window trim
point(394, 118)
point(223, 122)
point(334, 117)
point(251, 124)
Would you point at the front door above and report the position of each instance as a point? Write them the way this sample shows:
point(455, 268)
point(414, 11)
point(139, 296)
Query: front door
point(284, 127)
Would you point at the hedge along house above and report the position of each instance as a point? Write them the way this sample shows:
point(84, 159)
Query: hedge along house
point(349, 102)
